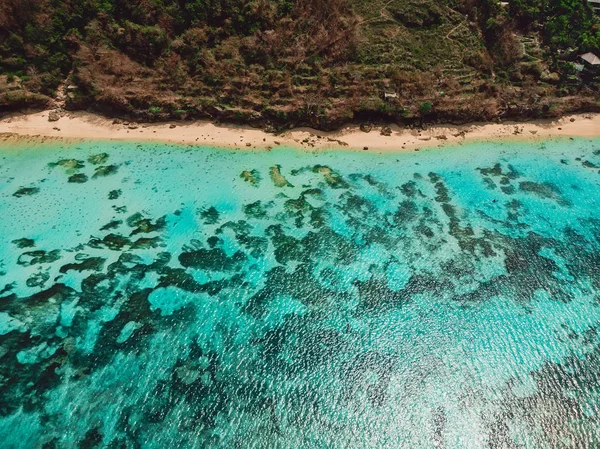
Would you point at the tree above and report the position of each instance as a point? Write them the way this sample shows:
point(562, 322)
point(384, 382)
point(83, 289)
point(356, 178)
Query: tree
point(425, 108)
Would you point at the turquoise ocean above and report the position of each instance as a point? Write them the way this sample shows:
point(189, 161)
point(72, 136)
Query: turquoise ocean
point(162, 296)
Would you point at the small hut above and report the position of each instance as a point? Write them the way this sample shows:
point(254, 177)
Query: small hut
point(591, 60)
point(590, 65)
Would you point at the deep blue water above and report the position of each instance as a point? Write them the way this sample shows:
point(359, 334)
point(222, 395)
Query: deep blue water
point(155, 296)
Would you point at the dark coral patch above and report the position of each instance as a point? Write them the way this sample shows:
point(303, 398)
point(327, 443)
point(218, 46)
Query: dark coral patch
point(105, 170)
point(544, 190)
point(251, 177)
point(114, 224)
point(212, 259)
point(70, 165)
point(24, 243)
point(210, 215)
point(98, 159)
point(277, 178)
point(38, 257)
point(256, 210)
point(38, 279)
point(89, 263)
point(114, 194)
point(78, 178)
point(144, 225)
point(332, 178)
point(26, 191)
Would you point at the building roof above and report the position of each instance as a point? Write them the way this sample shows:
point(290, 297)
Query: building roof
point(591, 58)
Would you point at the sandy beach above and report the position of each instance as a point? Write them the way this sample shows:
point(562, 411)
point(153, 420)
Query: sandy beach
point(83, 125)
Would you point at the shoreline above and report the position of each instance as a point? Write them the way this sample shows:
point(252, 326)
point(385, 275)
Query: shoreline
point(79, 126)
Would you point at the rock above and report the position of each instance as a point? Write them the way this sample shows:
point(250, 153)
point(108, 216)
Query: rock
point(172, 126)
point(572, 119)
point(54, 116)
point(366, 127)
point(386, 131)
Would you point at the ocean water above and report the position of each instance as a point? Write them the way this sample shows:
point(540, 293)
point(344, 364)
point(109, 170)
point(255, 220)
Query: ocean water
point(156, 296)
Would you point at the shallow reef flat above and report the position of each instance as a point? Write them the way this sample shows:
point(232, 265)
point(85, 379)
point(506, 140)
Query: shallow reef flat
point(155, 296)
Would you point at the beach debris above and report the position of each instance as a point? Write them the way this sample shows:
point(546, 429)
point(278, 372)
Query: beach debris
point(386, 131)
point(117, 121)
point(572, 119)
point(248, 144)
point(441, 137)
point(340, 142)
point(533, 131)
point(133, 126)
point(172, 126)
point(365, 148)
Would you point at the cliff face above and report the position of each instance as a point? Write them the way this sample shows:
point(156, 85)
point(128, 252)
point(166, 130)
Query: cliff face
point(315, 62)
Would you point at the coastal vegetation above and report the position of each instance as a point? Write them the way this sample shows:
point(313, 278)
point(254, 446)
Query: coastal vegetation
point(315, 62)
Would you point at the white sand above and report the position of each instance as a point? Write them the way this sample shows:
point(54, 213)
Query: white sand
point(86, 126)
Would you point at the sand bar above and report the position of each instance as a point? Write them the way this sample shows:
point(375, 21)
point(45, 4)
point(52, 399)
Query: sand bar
point(87, 126)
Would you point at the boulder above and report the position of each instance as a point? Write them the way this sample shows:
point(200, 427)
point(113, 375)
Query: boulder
point(366, 127)
point(54, 116)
